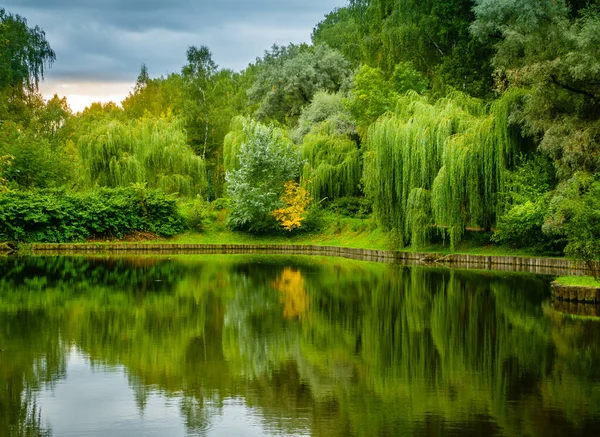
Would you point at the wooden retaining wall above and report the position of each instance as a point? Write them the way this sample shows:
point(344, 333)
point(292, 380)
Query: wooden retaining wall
point(574, 293)
point(548, 266)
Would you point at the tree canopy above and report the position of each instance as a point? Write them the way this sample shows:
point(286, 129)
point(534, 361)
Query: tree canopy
point(24, 53)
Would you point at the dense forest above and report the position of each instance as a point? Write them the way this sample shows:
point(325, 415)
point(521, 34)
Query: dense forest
point(431, 117)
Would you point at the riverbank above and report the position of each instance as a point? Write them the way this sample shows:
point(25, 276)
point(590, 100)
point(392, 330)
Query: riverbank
point(576, 289)
point(348, 237)
point(540, 265)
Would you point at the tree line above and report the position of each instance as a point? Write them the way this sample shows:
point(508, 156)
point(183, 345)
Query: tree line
point(444, 114)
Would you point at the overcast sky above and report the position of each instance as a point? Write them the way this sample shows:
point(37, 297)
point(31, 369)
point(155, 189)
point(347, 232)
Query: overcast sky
point(101, 44)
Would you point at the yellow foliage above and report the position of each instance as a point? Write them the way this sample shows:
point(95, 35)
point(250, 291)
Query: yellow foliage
point(296, 199)
point(293, 295)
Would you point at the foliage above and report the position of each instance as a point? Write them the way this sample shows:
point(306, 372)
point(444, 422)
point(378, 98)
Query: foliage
point(25, 54)
point(58, 216)
point(233, 142)
point(325, 109)
point(289, 77)
point(267, 159)
point(575, 215)
point(548, 48)
point(295, 200)
point(151, 151)
point(332, 164)
point(359, 207)
point(196, 213)
point(38, 161)
point(155, 96)
point(5, 161)
point(373, 94)
point(433, 36)
point(527, 200)
point(453, 152)
point(371, 97)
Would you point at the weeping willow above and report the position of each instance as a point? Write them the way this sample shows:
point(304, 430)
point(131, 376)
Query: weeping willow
point(332, 164)
point(151, 151)
point(233, 142)
point(438, 167)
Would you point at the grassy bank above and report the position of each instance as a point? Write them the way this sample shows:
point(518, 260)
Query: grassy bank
point(579, 281)
point(338, 231)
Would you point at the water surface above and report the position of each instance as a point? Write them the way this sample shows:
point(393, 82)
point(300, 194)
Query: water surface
point(256, 345)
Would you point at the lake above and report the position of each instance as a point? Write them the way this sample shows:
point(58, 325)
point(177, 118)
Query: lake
point(253, 345)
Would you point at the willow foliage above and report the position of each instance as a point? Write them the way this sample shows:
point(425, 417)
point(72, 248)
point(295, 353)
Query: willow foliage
point(151, 151)
point(332, 165)
point(233, 143)
point(438, 166)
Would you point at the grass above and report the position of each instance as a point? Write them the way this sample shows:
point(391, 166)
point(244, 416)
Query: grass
point(580, 281)
point(345, 232)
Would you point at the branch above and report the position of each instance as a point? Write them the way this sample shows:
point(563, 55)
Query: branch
point(555, 81)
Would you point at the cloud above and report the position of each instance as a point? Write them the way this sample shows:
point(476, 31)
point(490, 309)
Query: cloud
point(108, 40)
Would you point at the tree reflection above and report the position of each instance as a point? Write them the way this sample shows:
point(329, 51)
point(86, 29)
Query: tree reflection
point(326, 346)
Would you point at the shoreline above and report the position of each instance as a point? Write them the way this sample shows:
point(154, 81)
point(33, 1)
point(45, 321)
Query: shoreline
point(538, 265)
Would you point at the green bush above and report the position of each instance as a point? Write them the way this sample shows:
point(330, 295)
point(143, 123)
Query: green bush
point(57, 216)
point(356, 207)
point(575, 215)
point(197, 214)
point(527, 207)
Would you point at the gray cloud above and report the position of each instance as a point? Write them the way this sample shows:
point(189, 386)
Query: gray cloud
point(106, 41)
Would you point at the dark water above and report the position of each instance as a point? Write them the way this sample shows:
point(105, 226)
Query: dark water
point(274, 345)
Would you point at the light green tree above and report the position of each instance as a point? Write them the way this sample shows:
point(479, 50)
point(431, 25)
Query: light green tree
point(151, 151)
point(267, 159)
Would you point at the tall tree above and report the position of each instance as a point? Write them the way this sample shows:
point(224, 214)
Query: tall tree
point(198, 76)
point(290, 76)
point(24, 53)
point(433, 35)
point(550, 49)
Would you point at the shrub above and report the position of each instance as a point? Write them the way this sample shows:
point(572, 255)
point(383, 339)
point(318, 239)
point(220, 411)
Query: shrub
point(196, 214)
point(357, 207)
point(575, 215)
point(527, 206)
point(58, 216)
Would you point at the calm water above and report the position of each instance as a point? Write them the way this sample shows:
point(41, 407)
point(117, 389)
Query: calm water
point(254, 345)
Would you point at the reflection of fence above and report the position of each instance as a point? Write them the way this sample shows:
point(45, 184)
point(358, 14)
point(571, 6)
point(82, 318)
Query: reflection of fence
point(548, 266)
point(576, 309)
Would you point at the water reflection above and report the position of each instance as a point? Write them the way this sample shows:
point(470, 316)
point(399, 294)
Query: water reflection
point(226, 345)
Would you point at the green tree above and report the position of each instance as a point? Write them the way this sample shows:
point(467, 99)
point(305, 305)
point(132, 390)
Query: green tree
point(575, 216)
point(267, 159)
point(155, 97)
point(549, 49)
point(438, 166)
point(198, 76)
point(373, 94)
point(151, 151)
point(289, 77)
point(432, 35)
point(325, 108)
point(24, 54)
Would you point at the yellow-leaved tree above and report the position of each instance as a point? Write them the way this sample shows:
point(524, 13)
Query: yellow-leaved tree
point(296, 199)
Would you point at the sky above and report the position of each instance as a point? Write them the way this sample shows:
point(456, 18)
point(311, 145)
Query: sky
point(100, 45)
